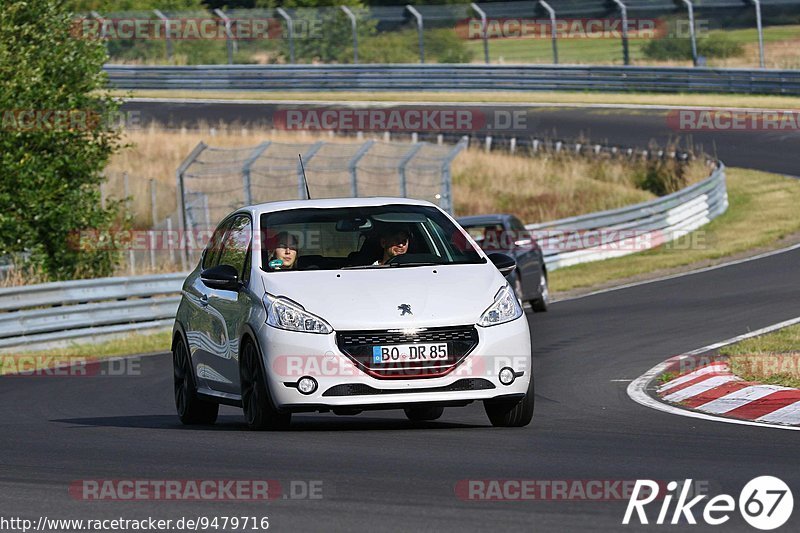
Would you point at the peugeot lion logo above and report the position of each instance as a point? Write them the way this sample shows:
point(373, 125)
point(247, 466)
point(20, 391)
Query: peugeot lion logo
point(405, 309)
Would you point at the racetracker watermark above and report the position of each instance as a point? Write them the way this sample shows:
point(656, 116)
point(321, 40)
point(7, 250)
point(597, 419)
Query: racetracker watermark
point(399, 360)
point(602, 239)
point(178, 29)
point(194, 489)
point(565, 28)
point(549, 240)
point(401, 119)
point(29, 120)
point(32, 365)
point(592, 490)
point(728, 120)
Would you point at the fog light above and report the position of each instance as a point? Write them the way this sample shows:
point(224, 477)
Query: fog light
point(507, 376)
point(307, 385)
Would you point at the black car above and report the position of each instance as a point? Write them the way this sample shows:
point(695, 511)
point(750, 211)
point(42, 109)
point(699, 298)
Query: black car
point(506, 234)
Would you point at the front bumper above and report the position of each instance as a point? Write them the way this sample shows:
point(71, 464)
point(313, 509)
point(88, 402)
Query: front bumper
point(288, 356)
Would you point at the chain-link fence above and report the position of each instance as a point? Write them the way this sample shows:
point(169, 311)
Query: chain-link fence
point(728, 33)
point(212, 182)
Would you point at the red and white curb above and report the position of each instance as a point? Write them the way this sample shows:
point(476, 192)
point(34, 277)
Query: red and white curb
point(715, 389)
point(713, 392)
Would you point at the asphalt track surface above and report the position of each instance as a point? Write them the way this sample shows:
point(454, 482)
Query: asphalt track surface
point(773, 151)
point(380, 472)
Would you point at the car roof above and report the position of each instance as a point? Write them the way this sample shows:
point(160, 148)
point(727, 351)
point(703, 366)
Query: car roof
point(327, 203)
point(478, 220)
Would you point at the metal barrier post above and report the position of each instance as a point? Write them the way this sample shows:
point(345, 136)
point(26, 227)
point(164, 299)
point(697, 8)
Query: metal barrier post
point(246, 185)
point(153, 216)
point(290, 27)
point(354, 24)
point(301, 187)
point(690, 10)
point(401, 167)
point(418, 16)
point(446, 201)
point(352, 166)
point(757, 4)
point(182, 222)
point(624, 13)
point(228, 33)
point(553, 31)
point(164, 19)
point(482, 14)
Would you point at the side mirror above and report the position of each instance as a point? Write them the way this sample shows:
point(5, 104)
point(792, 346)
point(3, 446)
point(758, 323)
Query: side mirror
point(224, 277)
point(504, 263)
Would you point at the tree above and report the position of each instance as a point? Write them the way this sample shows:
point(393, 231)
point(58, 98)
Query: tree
point(54, 140)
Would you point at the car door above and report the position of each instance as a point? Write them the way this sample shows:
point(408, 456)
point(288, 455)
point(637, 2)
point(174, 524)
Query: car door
point(231, 308)
point(204, 328)
point(527, 257)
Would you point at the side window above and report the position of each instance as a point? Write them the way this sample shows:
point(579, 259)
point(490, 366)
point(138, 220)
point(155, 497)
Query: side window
point(214, 247)
point(236, 244)
point(516, 225)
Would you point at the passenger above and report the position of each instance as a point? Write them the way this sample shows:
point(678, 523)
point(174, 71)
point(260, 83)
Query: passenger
point(394, 242)
point(284, 252)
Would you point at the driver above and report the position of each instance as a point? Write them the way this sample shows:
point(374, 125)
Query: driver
point(394, 242)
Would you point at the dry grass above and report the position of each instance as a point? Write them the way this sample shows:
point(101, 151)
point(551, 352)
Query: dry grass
point(536, 189)
point(549, 186)
point(771, 358)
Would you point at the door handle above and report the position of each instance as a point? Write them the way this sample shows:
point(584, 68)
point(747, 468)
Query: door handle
point(204, 300)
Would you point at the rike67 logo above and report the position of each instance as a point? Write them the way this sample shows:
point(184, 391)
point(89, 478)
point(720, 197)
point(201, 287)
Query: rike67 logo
point(765, 503)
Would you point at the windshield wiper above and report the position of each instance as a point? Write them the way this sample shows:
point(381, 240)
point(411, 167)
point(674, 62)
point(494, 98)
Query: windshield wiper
point(362, 267)
point(421, 263)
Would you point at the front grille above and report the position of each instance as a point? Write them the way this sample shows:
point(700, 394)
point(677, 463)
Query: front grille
point(357, 345)
point(359, 389)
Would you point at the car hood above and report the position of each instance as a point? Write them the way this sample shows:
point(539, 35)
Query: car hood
point(445, 295)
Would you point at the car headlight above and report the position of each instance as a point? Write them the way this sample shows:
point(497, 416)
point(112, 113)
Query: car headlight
point(505, 308)
point(285, 314)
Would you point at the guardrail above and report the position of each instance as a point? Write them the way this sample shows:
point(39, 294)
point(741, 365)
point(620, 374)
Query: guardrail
point(633, 228)
point(449, 77)
point(40, 315)
point(37, 315)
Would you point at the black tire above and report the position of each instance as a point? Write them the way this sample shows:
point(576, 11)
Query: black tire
point(191, 409)
point(260, 412)
point(424, 414)
point(539, 305)
point(511, 414)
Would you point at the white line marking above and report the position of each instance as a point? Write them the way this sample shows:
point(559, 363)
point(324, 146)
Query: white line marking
point(637, 390)
point(698, 388)
point(713, 368)
point(739, 398)
point(789, 414)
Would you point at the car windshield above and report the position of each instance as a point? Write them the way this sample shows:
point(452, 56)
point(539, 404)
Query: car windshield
point(362, 237)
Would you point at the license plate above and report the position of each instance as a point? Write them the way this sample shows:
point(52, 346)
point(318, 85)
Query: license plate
point(405, 353)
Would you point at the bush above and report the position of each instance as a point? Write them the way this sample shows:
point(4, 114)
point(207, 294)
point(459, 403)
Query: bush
point(662, 176)
point(52, 171)
point(717, 45)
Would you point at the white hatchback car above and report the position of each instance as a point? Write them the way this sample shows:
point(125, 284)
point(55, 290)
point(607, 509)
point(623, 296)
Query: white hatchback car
point(346, 305)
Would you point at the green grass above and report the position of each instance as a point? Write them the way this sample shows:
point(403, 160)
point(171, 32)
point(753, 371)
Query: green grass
point(606, 51)
point(772, 358)
point(742, 227)
point(525, 50)
point(138, 343)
